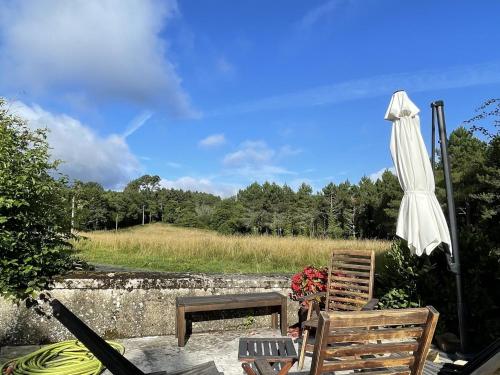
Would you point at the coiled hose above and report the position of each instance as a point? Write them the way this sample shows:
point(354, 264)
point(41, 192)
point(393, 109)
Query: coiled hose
point(63, 358)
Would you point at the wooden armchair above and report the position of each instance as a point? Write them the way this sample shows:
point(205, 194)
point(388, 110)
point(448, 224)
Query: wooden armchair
point(349, 288)
point(379, 342)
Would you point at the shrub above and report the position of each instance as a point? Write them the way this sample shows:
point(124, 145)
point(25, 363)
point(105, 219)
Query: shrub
point(411, 281)
point(33, 215)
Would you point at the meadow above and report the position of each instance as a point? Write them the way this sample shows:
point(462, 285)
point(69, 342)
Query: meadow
point(162, 247)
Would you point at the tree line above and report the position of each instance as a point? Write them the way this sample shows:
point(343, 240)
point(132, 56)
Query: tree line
point(364, 210)
point(367, 209)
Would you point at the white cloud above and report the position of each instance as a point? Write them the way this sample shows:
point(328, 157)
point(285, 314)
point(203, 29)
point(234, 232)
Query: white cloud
point(137, 123)
point(378, 175)
point(213, 140)
point(107, 50)
point(250, 153)
point(255, 161)
point(205, 185)
point(86, 155)
point(370, 87)
point(316, 14)
point(288, 150)
point(173, 164)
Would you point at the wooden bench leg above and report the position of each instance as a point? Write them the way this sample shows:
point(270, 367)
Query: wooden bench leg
point(283, 317)
point(176, 321)
point(274, 319)
point(181, 326)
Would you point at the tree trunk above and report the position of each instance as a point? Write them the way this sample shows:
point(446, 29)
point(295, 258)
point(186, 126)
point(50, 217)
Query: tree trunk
point(142, 214)
point(73, 215)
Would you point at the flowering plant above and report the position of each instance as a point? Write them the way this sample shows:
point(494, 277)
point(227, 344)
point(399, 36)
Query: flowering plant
point(310, 280)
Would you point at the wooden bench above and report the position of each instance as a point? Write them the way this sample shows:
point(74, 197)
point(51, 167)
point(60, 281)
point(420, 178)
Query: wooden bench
point(274, 301)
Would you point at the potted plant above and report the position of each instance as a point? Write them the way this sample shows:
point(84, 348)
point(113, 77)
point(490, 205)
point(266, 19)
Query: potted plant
point(308, 281)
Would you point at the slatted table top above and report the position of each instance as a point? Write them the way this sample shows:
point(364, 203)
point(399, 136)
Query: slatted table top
point(269, 349)
point(230, 298)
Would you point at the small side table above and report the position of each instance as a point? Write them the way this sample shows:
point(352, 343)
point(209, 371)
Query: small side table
point(279, 352)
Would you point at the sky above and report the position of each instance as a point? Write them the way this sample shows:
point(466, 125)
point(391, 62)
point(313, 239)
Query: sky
point(214, 95)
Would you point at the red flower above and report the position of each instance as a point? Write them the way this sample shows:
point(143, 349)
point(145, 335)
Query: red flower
point(309, 280)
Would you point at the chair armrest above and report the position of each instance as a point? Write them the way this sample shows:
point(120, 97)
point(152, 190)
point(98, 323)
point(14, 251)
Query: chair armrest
point(370, 305)
point(312, 296)
point(264, 367)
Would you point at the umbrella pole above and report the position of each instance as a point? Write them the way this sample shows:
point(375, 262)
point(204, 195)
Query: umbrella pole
point(433, 154)
point(437, 109)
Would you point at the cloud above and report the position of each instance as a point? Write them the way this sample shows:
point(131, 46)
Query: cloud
point(224, 66)
point(86, 155)
point(175, 165)
point(137, 123)
point(318, 13)
point(205, 185)
point(255, 161)
point(421, 81)
point(378, 175)
point(250, 152)
point(213, 140)
point(108, 51)
point(288, 150)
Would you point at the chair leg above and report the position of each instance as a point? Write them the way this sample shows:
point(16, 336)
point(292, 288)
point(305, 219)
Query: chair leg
point(248, 368)
point(303, 349)
point(305, 335)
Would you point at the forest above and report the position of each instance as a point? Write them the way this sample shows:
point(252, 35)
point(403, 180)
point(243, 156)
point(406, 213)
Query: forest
point(367, 209)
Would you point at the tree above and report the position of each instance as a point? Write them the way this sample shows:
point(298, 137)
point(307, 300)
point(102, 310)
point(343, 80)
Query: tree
point(34, 215)
point(141, 195)
point(91, 206)
point(467, 157)
point(389, 194)
point(367, 201)
point(117, 207)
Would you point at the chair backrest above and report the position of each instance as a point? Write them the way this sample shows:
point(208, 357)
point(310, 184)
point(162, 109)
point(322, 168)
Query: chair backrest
point(350, 280)
point(385, 341)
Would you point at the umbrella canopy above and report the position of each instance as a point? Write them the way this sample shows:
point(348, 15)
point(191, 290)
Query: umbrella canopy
point(420, 220)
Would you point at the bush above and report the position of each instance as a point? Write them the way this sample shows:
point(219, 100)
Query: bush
point(33, 212)
point(411, 281)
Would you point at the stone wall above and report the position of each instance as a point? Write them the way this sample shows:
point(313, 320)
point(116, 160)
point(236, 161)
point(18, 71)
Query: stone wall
point(135, 304)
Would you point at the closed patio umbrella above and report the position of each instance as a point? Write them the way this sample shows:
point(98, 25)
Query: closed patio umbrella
point(420, 220)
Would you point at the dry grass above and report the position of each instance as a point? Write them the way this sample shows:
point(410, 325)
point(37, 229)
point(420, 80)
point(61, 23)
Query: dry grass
point(169, 248)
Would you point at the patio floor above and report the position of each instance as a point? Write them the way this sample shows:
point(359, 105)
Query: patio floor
point(161, 353)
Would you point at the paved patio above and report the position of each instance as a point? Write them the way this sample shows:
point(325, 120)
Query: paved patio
point(162, 353)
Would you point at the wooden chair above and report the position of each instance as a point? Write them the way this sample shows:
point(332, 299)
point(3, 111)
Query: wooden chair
point(379, 342)
point(349, 288)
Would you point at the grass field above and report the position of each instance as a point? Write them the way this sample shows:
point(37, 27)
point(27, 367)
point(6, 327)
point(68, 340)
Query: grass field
point(168, 248)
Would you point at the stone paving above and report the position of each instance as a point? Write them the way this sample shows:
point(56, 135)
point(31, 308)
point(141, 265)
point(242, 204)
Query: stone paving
point(161, 353)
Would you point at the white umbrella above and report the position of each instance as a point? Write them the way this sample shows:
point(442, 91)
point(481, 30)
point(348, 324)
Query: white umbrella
point(420, 220)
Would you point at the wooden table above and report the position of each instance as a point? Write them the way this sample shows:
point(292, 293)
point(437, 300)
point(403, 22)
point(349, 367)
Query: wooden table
point(279, 352)
point(276, 302)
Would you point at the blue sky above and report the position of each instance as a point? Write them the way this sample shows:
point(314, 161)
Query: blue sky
point(213, 95)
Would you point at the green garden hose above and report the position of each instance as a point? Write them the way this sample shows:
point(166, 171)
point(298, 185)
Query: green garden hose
point(63, 358)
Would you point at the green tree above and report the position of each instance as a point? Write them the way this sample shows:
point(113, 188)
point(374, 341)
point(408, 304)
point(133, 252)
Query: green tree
point(117, 209)
point(34, 215)
point(91, 206)
point(389, 195)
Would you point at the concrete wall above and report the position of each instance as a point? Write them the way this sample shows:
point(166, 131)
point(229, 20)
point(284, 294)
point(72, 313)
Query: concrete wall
point(135, 304)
